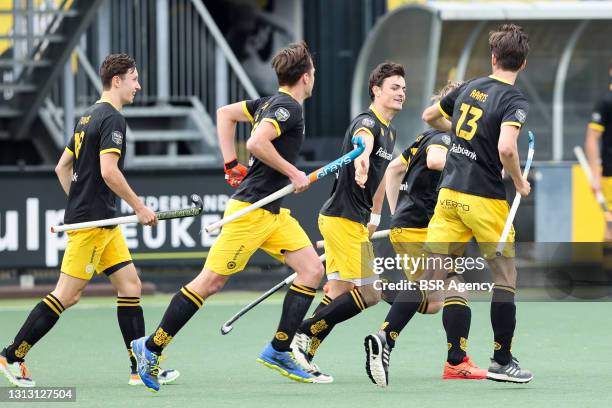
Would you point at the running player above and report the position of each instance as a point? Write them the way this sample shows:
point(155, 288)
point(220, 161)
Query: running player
point(487, 115)
point(276, 138)
point(600, 129)
point(411, 186)
point(90, 172)
point(352, 213)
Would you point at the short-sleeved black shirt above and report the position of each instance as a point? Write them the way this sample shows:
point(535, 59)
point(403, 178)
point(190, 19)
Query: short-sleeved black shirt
point(418, 192)
point(285, 113)
point(601, 120)
point(479, 108)
point(347, 199)
point(99, 131)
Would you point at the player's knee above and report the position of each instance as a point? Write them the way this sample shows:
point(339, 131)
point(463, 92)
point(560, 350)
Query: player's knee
point(433, 307)
point(370, 295)
point(313, 271)
point(68, 299)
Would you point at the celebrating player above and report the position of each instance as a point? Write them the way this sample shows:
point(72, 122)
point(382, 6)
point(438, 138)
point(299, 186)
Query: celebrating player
point(485, 116)
point(276, 138)
point(356, 202)
point(411, 186)
point(90, 172)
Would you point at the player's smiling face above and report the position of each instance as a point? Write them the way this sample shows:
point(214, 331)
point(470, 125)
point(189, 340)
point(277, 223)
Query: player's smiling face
point(392, 94)
point(128, 86)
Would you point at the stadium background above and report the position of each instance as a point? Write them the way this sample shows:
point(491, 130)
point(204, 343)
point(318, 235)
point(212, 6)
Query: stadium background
point(194, 56)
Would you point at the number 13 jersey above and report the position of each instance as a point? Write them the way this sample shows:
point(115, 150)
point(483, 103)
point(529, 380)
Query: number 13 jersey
point(477, 110)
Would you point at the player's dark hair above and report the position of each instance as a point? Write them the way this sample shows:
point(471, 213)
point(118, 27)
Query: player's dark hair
point(510, 45)
point(291, 62)
point(384, 70)
point(115, 64)
point(445, 90)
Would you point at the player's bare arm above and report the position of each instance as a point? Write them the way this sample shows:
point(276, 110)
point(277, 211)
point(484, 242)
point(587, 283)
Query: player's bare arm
point(591, 149)
point(436, 158)
point(508, 154)
point(260, 145)
point(393, 178)
point(434, 118)
point(377, 206)
point(362, 163)
point(64, 170)
point(115, 180)
point(227, 118)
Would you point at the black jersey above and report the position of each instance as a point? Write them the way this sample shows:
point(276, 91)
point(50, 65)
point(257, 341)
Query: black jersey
point(348, 200)
point(479, 108)
point(418, 192)
point(601, 120)
point(99, 131)
point(285, 113)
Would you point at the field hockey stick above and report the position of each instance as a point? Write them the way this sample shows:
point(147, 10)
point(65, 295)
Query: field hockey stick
point(196, 210)
point(314, 176)
point(517, 198)
point(376, 235)
point(589, 175)
point(227, 326)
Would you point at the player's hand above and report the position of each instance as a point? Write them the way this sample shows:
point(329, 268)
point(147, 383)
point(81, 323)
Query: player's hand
point(234, 173)
point(523, 187)
point(300, 181)
point(146, 216)
point(596, 183)
point(361, 172)
point(371, 229)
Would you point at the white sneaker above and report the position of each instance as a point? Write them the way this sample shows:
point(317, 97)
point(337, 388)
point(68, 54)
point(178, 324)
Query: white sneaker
point(377, 358)
point(17, 373)
point(164, 377)
point(300, 345)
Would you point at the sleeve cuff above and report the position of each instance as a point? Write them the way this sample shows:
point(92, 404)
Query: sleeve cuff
point(368, 131)
point(446, 115)
point(275, 123)
point(113, 150)
point(67, 150)
point(597, 126)
point(517, 124)
point(245, 109)
point(403, 159)
point(436, 146)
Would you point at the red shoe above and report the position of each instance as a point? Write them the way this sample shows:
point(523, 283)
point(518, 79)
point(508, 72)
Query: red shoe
point(465, 370)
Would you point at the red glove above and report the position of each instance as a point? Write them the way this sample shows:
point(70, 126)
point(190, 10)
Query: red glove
point(234, 172)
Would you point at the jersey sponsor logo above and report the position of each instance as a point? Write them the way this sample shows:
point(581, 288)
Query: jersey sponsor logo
point(462, 150)
point(596, 117)
point(282, 114)
point(84, 120)
point(384, 154)
point(404, 187)
point(368, 122)
point(454, 204)
point(520, 115)
point(117, 137)
point(446, 140)
point(75, 177)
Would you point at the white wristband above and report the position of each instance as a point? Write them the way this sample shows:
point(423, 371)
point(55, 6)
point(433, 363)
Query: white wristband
point(374, 219)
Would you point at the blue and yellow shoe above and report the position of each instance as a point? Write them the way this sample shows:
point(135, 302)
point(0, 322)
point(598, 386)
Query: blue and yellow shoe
point(148, 364)
point(284, 362)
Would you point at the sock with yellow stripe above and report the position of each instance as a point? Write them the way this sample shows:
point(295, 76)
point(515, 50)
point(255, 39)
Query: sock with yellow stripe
point(131, 322)
point(406, 304)
point(324, 302)
point(182, 307)
point(40, 320)
point(295, 306)
point(340, 309)
point(503, 320)
point(456, 318)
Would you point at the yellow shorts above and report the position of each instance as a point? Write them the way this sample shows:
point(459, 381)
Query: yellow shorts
point(238, 241)
point(95, 250)
point(606, 189)
point(348, 251)
point(409, 242)
point(460, 216)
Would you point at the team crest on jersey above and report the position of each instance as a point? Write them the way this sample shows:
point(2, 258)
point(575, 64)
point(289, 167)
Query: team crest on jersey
point(596, 117)
point(520, 115)
point(282, 114)
point(117, 137)
point(368, 122)
point(446, 140)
